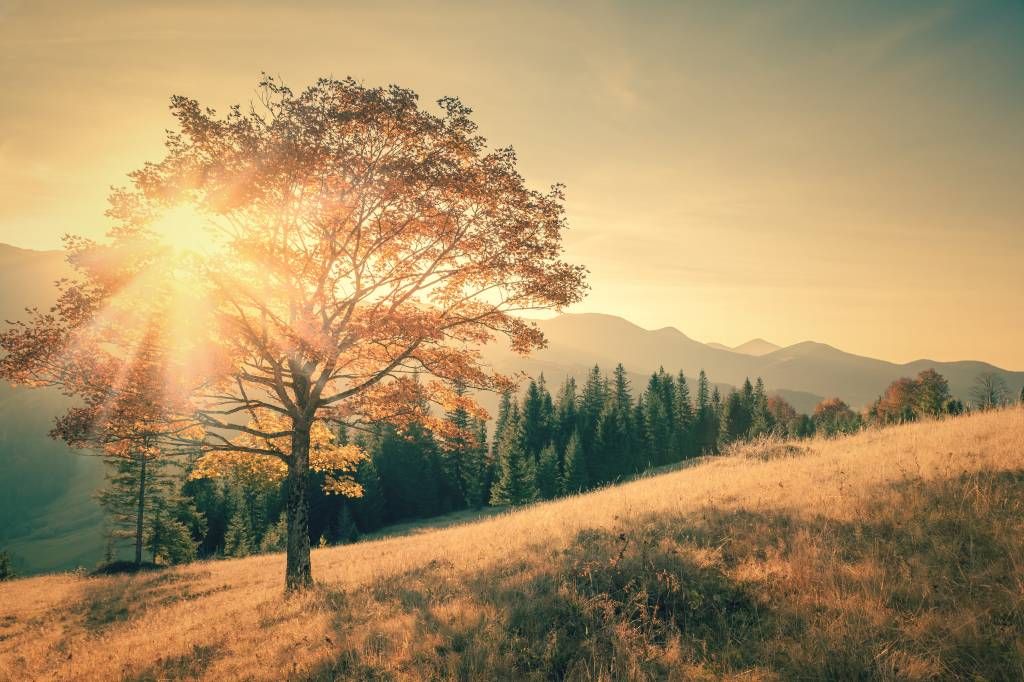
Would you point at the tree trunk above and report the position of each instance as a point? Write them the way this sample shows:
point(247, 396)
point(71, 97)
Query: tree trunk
point(298, 574)
point(142, 507)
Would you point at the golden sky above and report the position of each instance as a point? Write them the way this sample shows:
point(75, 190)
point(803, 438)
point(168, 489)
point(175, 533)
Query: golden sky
point(851, 173)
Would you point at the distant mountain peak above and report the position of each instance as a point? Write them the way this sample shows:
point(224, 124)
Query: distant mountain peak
point(757, 347)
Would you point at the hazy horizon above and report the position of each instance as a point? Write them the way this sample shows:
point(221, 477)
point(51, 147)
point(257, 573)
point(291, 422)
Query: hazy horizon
point(804, 171)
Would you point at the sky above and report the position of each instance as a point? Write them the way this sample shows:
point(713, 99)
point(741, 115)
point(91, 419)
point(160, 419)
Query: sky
point(849, 172)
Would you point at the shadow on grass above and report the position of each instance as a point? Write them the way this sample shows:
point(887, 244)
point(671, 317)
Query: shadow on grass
point(925, 584)
point(110, 602)
point(434, 523)
point(184, 667)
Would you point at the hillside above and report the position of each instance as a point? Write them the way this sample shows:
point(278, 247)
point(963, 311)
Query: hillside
point(890, 554)
point(27, 278)
point(48, 517)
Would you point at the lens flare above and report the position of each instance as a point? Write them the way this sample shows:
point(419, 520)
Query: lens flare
point(188, 231)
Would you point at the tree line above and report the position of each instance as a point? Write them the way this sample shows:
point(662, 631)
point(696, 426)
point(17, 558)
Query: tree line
point(543, 445)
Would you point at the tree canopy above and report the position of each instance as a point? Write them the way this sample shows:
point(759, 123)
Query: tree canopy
point(358, 249)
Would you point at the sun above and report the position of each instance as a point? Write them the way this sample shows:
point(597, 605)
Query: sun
point(188, 231)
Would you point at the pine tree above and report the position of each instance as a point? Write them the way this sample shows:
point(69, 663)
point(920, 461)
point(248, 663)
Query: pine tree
point(619, 437)
point(639, 435)
point(276, 537)
point(566, 414)
point(736, 418)
point(476, 472)
point(517, 474)
point(711, 419)
point(535, 425)
point(454, 454)
point(684, 419)
point(238, 540)
point(762, 421)
point(6, 570)
point(369, 510)
point(208, 498)
point(591, 405)
point(501, 422)
point(135, 486)
point(747, 394)
point(659, 418)
point(616, 450)
point(622, 398)
point(703, 391)
point(547, 409)
point(547, 473)
point(705, 431)
point(574, 474)
point(802, 426)
point(409, 472)
point(168, 539)
point(343, 530)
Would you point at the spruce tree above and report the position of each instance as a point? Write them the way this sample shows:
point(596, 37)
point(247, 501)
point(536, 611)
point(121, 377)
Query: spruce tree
point(705, 431)
point(547, 473)
point(343, 529)
point(620, 437)
point(566, 414)
point(747, 394)
point(684, 419)
point(369, 509)
point(6, 570)
point(501, 421)
point(135, 486)
point(574, 473)
point(547, 409)
point(639, 436)
point(477, 471)
point(591, 405)
point(207, 495)
point(168, 539)
point(517, 475)
point(535, 416)
point(658, 418)
point(716, 411)
point(238, 540)
point(454, 454)
point(407, 463)
point(622, 398)
point(703, 391)
point(618, 453)
point(762, 422)
point(276, 537)
point(736, 418)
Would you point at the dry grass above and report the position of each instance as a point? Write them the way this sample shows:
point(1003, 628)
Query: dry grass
point(894, 554)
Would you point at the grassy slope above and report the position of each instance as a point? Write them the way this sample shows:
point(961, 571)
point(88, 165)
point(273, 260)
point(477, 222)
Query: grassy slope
point(892, 554)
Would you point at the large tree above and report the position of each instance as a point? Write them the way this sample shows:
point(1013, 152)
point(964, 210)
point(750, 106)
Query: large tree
point(352, 239)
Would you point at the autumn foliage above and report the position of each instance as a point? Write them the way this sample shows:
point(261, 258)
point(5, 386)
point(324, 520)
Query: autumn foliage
point(359, 251)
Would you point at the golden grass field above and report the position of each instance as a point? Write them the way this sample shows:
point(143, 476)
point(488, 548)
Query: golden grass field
point(891, 554)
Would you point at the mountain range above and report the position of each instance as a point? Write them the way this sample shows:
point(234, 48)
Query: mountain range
point(752, 347)
point(50, 521)
point(803, 372)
